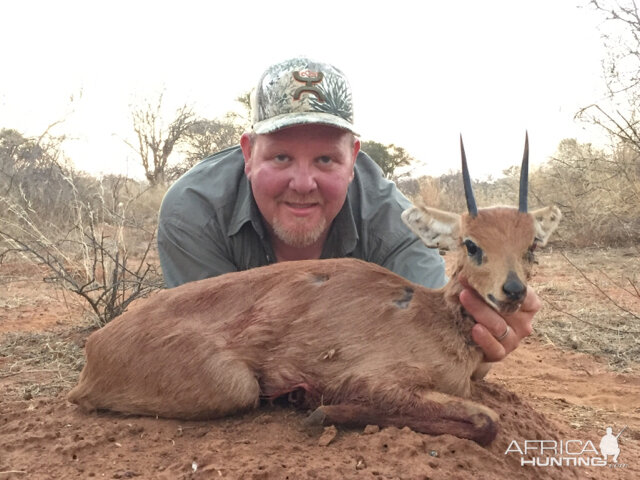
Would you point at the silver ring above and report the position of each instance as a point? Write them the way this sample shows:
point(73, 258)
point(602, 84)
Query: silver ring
point(504, 335)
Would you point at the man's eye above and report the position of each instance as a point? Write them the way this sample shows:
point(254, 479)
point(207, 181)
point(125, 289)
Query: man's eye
point(281, 158)
point(324, 160)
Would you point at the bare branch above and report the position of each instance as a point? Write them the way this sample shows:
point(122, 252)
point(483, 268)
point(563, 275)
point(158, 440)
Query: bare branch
point(595, 325)
point(595, 285)
point(83, 259)
point(155, 143)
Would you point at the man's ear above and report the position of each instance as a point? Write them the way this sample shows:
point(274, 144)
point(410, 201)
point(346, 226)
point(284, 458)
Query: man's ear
point(356, 150)
point(245, 145)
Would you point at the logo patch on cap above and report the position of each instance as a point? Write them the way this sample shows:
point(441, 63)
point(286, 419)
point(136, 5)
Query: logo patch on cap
point(300, 91)
point(309, 78)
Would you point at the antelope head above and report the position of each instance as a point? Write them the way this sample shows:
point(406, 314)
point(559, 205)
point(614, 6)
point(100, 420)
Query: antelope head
point(496, 245)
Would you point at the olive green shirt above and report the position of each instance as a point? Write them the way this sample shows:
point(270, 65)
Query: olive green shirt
point(210, 225)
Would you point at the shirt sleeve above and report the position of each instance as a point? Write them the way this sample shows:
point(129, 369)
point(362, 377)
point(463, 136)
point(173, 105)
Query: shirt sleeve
point(389, 241)
point(189, 253)
point(416, 262)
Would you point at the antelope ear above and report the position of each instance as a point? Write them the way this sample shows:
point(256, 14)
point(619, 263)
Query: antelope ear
point(437, 229)
point(546, 221)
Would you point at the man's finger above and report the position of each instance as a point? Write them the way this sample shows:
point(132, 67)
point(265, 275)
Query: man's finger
point(493, 349)
point(482, 312)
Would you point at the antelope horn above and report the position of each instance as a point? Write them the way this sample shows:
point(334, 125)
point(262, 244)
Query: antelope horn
point(466, 180)
point(524, 176)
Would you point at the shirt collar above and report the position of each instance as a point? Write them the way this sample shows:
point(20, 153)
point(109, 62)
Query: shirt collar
point(245, 210)
point(343, 236)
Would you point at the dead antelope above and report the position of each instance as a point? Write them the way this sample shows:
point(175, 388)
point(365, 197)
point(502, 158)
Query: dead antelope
point(362, 344)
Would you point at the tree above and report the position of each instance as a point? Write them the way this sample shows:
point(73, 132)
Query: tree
point(388, 157)
point(33, 169)
point(245, 101)
point(15, 152)
point(19, 153)
point(204, 138)
point(618, 116)
point(597, 190)
point(209, 136)
point(155, 141)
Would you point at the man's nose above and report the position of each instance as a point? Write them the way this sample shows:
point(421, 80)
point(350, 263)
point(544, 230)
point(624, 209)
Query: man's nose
point(303, 179)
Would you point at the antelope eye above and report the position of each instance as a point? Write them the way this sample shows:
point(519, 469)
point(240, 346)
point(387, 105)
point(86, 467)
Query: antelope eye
point(472, 248)
point(473, 251)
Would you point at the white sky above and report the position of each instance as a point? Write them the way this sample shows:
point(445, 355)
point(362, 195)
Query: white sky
point(421, 72)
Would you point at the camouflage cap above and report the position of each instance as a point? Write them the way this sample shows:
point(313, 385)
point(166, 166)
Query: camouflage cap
point(300, 91)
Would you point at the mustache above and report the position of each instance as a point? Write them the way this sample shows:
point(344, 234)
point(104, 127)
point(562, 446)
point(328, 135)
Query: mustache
point(292, 198)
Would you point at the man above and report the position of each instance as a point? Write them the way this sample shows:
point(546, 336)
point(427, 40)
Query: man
point(298, 187)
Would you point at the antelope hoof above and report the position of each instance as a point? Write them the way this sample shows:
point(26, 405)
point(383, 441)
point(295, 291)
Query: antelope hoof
point(316, 419)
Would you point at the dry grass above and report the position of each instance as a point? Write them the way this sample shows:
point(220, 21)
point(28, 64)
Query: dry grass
point(590, 303)
point(45, 363)
point(106, 255)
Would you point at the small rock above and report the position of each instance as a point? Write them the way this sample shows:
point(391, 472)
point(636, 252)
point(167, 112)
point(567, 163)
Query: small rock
point(360, 463)
point(327, 436)
point(264, 419)
point(433, 453)
point(371, 429)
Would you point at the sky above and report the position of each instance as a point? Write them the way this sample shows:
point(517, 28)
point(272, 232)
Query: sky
point(422, 73)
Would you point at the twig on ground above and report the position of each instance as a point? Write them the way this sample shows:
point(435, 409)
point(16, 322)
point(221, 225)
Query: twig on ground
point(636, 294)
point(599, 289)
point(20, 372)
point(602, 327)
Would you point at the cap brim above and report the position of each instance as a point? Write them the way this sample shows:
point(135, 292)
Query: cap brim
point(302, 118)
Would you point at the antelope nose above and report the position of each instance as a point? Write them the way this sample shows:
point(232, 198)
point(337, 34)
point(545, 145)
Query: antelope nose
point(513, 288)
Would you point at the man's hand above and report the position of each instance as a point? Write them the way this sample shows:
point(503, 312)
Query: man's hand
point(491, 325)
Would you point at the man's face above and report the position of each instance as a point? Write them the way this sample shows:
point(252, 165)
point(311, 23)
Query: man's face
point(299, 177)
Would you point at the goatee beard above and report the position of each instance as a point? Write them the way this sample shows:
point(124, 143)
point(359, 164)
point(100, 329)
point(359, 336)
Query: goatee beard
point(301, 236)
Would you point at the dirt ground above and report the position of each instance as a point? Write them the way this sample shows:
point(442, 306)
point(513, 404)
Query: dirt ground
point(578, 374)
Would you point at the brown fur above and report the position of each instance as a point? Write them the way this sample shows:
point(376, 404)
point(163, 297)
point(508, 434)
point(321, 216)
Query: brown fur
point(365, 345)
point(504, 235)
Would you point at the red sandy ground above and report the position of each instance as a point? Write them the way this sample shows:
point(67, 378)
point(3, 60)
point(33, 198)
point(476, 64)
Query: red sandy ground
point(540, 392)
